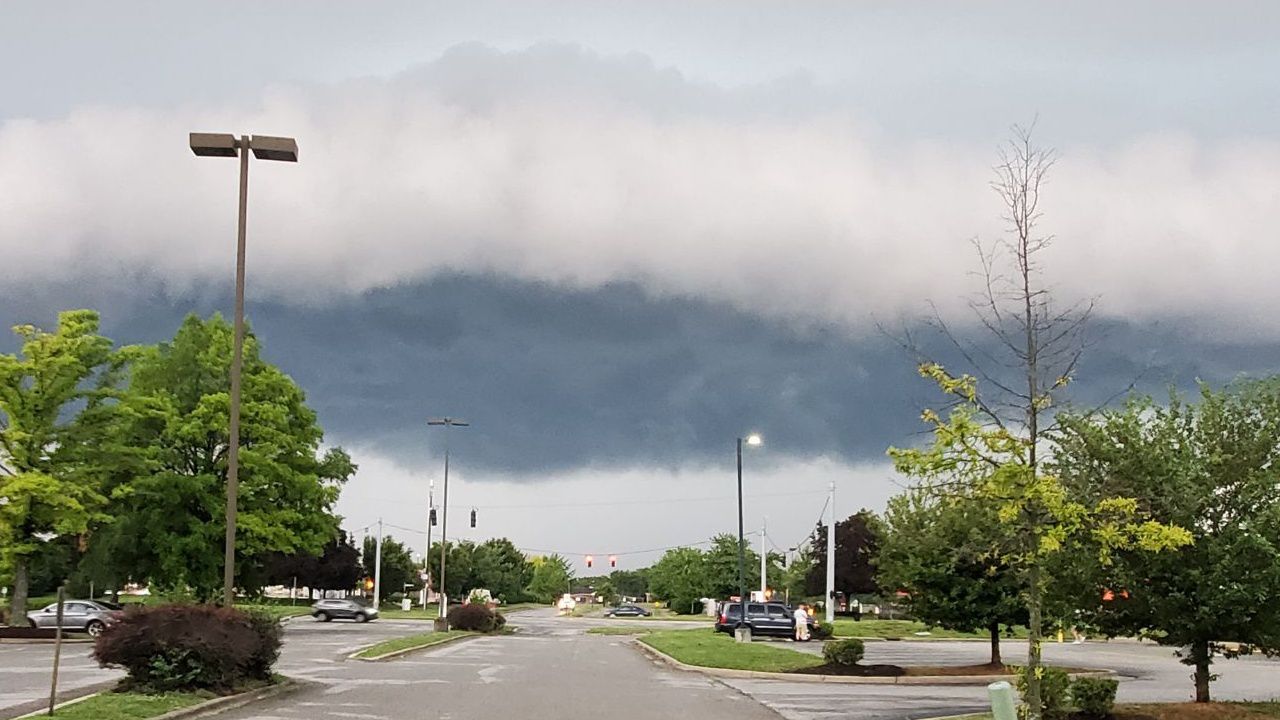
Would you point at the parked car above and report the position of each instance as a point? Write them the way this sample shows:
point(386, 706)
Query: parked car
point(91, 616)
point(764, 618)
point(341, 609)
point(627, 611)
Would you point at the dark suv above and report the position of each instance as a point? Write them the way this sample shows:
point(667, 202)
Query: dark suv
point(764, 618)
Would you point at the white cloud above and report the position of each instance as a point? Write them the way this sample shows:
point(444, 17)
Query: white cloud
point(605, 512)
point(562, 166)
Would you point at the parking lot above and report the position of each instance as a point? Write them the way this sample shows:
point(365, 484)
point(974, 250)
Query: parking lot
point(25, 668)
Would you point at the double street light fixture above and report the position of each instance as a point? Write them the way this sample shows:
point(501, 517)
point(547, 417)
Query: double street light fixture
point(446, 423)
point(751, 440)
point(264, 148)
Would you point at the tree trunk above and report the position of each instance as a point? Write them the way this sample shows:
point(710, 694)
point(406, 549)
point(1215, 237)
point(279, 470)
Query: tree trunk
point(1201, 659)
point(18, 606)
point(995, 644)
point(1033, 644)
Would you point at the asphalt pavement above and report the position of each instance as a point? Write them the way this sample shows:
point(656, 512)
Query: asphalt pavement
point(551, 668)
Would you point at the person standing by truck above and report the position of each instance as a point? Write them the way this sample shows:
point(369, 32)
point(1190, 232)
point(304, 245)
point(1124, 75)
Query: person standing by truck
point(801, 616)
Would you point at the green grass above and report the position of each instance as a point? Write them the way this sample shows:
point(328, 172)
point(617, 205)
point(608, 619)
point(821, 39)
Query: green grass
point(718, 650)
point(1183, 711)
point(127, 706)
point(906, 629)
point(420, 640)
point(619, 630)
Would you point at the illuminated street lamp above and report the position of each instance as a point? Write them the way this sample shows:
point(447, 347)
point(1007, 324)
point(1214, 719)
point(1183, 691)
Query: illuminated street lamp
point(446, 423)
point(263, 147)
point(752, 440)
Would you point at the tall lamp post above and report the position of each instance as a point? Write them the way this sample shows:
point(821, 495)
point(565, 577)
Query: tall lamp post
point(752, 440)
point(446, 422)
point(264, 148)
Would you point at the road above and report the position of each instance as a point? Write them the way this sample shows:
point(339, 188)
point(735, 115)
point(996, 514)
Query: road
point(551, 668)
point(1149, 673)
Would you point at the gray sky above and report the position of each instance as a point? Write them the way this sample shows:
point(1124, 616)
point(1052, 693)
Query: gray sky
point(617, 234)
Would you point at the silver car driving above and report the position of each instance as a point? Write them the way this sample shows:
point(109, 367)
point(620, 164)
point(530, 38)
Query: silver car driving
point(91, 616)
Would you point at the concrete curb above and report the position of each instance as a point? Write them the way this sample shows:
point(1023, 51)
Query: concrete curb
point(404, 651)
point(65, 697)
point(208, 707)
point(231, 702)
point(972, 680)
point(45, 641)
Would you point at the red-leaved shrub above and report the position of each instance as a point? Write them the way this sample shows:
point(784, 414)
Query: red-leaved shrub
point(477, 617)
point(190, 647)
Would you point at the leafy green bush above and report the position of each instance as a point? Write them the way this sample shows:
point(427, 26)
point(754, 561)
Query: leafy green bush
point(844, 652)
point(1094, 697)
point(474, 617)
point(823, 631)
point(1053, 691)
point(165, 648)
point(685, 606)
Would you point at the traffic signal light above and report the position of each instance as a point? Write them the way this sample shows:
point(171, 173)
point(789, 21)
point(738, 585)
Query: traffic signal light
point(433, 517)
point(613, 561)
point(473, 517)
point(368, 583)
point(590, 560)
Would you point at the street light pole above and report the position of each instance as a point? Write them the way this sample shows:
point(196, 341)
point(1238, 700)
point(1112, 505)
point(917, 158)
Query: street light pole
point(446, 422)
point(263, 148)
point(742, 550)
point(752, 439)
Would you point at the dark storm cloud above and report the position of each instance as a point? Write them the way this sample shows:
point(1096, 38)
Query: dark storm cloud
point(555, 380)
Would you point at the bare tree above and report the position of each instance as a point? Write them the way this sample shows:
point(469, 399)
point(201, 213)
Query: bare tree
point(1028, 352)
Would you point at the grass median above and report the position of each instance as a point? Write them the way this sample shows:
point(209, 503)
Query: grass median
point(411, 642)
point(127, 706)
point(1183, 711)
point(909, 630)
point(718, 650)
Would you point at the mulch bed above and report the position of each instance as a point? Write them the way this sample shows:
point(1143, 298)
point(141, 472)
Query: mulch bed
point(30, 633)
point(917, 670)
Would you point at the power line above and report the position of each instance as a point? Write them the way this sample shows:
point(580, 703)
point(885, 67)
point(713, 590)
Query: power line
point(616, 503)
point(628, 552)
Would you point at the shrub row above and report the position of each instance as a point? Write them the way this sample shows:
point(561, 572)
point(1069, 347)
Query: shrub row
point(190, 647)
point(1093, 697)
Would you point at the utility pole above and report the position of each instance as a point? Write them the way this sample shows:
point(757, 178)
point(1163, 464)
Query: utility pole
point(377, 569)
point(764, 554)
point(831, 556)
point(426, 556)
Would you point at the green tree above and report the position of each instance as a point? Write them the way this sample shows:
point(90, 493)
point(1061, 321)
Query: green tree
point(460, 576)
point(46, 486)
point(550, 578)
point(502, 569)
point(171, 514)
point(398, 567)
point(681, 579)
point(1212, 467)
point(1040, 521)
point(938, 550)
point(337, 567)
point(721, 561)
point(795, 578)
point(631, 583)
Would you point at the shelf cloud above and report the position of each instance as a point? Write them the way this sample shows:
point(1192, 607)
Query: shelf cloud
point(559, 165)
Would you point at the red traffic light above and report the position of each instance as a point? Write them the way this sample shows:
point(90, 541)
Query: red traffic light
point(613, 561)
point(590, 560)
